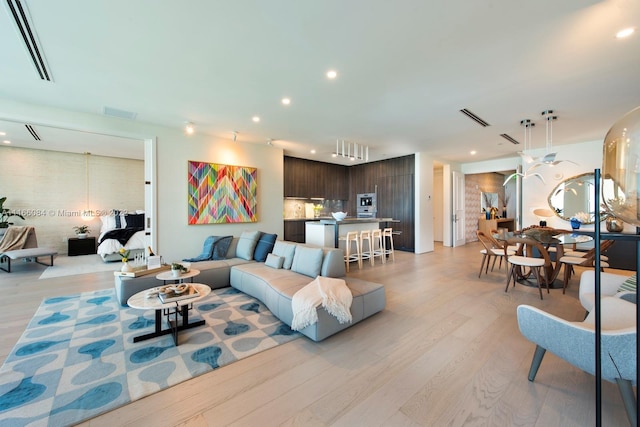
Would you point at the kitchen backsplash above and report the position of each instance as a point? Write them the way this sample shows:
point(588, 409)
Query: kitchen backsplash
point(308, 208)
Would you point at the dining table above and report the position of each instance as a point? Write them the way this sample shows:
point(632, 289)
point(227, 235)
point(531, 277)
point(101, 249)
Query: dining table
point(552, 240)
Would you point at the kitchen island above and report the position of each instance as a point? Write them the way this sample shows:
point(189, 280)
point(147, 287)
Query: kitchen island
point(313, 230)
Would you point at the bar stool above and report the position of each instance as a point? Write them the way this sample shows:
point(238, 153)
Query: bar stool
point(351, 237)
point(368, 254)
point(377, 246)
point(387, 233)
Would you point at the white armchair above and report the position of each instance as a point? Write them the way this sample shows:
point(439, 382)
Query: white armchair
point(609, 284)
point(575, 343)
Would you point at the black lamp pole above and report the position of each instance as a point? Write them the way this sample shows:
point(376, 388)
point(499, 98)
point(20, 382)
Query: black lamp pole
point(596, 175)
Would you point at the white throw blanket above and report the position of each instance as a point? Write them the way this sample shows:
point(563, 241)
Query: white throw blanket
point(334, 295)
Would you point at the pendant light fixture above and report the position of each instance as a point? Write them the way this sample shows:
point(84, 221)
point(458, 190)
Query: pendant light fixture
point(527, 124)
point(352, 150)
point(549, 157)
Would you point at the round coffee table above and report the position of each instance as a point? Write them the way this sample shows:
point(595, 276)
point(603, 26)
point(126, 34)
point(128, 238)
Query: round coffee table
point(142, 301)
point(167, 276)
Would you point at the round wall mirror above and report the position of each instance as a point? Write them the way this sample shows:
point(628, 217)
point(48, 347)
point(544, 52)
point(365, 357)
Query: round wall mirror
point(573, 195)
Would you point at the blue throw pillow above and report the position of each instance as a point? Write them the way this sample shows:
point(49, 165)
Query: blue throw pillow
point(264, 246)
point(221, 247)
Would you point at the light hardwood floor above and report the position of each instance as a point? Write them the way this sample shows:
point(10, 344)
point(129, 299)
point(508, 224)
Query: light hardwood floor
point(446, 351)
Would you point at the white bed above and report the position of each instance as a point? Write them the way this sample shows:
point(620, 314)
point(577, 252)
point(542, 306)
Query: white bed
point(124, 227)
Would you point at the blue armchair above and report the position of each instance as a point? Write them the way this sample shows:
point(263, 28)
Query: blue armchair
point(575, 343)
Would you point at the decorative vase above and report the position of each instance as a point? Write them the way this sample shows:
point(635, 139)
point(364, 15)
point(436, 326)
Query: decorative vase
point(575, 223)
point(488, 214)
point(81, 235)
point(615, 225)
point(175, 273)
point(126, 268)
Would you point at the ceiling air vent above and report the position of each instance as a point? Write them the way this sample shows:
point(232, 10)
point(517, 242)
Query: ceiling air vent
point(21, 18)
point(475, 118)
point(509, 138)
point(33, 132)
point(121, 114)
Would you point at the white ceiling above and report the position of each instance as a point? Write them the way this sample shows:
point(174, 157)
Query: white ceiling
point(405, 69)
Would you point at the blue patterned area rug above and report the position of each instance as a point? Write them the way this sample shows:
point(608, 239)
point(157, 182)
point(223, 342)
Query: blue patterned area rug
point(77, 358)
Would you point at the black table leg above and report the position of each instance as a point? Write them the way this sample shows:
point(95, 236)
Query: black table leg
point(174, 326)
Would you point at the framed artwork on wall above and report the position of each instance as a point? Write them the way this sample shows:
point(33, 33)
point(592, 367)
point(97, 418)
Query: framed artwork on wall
point(221, 194)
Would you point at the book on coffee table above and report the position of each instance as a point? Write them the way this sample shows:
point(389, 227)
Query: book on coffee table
point(169, 295)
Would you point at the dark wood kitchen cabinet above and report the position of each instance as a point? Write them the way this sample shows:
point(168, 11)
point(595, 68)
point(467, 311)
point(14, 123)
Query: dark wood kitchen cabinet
point(393, 180)
point(310, 179)
point(294, 231)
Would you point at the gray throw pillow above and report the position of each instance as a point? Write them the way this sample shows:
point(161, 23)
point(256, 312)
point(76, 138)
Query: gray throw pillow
point(274, 261)
point(307, 261)
point(285, 250)
point(246, 244)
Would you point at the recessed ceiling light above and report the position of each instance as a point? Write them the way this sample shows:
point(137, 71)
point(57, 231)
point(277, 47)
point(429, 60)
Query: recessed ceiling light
point(473, 152)
point(6, 141)
point(286, 101)
point(256, 119)
point(334, 155)
point(3, 133)
point(313, 151)
point(189, 128)
point(625, 33)
point(332, 74)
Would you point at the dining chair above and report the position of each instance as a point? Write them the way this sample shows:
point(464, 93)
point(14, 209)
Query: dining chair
point(492, 250)
point(530, 254)
point(586, 260)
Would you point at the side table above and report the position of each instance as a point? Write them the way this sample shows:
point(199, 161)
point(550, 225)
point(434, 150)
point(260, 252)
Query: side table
point(167, 276)
point(86, 246)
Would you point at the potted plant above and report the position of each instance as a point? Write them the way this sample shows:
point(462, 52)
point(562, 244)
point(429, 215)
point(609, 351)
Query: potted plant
point(177, 269)
point(5, 214)
point(82, 231)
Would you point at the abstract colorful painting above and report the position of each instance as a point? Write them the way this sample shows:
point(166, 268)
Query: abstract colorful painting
point(221, 193)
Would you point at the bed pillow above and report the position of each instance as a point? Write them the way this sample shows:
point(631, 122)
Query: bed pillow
point(247, 244)
point(135, 220)
point(112, 222)
point(307, 261)
point(264, 246)
point(285, 250)
point(274, 261)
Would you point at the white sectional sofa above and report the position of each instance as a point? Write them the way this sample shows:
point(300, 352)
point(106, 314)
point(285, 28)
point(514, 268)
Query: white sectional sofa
point(275, 284)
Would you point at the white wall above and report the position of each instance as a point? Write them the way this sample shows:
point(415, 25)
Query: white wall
point(423, 203)
point(438, 205)
point(175, 238)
